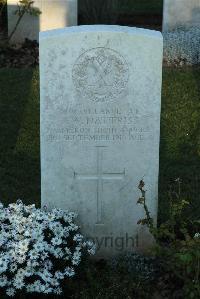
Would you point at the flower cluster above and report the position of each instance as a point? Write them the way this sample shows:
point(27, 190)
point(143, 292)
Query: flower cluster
point(38, 248)
point(182, 46)
point(197, 236)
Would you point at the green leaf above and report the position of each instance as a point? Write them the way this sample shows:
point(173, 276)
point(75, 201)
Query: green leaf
point(186, 258)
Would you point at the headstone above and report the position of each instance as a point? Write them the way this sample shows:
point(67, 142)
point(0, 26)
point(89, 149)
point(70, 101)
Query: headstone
point(181, 14)
point(55, 14)
point(100, 124)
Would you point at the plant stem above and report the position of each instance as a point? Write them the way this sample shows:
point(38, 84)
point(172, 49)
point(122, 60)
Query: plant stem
point(149, 219)
point(16, 25)
point(2, 8)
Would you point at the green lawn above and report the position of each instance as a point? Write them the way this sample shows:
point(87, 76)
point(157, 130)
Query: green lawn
point(180, 135)
point(19, 132)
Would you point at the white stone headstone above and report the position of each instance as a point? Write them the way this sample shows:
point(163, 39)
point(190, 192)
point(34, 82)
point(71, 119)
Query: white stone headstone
point(55, 14)
point(181, 14)
point(100, 129)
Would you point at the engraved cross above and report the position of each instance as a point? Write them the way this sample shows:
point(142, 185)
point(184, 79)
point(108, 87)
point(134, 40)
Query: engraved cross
point(100, 177)
point(102, 70)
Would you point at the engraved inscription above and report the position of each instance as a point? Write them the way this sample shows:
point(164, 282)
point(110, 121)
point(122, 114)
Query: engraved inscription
point(99, 177)
point(103, 124)
point(100, 74)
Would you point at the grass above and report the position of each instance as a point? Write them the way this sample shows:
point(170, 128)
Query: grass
point(180, 136)
point(179, 157)
point(19, 127)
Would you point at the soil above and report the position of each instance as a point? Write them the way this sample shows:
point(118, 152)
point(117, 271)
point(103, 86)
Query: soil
point(17, 56)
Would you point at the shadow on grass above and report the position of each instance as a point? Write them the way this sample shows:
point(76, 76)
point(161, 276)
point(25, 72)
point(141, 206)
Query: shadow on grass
point(19, 133)
point(180, 138)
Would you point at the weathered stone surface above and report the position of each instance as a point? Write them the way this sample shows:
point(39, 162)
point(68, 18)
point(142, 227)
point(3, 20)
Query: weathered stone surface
point(181, 13)
point(55, 14)
point(100, 125)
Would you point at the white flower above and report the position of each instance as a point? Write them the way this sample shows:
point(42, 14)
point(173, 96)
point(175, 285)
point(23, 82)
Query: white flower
point(3, 265)
point(48, 264)
point(23, 246)
point(197, 236)
point(76, 258)
point(78, 238)
point(10, 292)
point(58, 291)
point(32, 263)
point(40, 215)
point(44, 256)
point(13, 267)
point(58, 253)
point(50, 217)
point(39, 246)
point(33, 254)
point(27, 233)
point(59, 275)
point(91, 247)
point(54, 282)
point(69, 272)
point(21, 273)
point(92, 251)
point(45, 275)
point(73, 227)
point(47, 289)
point(29, 271)
point(68, 251)
point(21, 259)
point(56, 241)
point(30, 288)
point(18, 283)
point(66, 232)
point(3, 281)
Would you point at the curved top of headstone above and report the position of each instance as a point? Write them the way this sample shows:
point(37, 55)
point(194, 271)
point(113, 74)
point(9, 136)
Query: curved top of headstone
point(100, 28)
